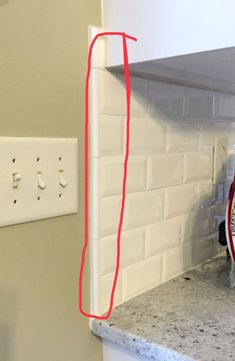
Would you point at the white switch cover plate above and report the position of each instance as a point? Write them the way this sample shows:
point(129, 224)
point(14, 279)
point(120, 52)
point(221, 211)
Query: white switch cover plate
point(220, 159)
point(38, 178)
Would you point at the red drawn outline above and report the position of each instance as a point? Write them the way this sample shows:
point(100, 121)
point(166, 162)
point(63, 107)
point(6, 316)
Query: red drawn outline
point(86, 154)
point(230, 236)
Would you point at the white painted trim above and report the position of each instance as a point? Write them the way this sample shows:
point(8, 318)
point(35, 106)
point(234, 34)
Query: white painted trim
point(94, 182)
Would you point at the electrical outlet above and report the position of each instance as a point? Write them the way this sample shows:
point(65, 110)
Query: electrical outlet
point(38, 178)
point(220, 159)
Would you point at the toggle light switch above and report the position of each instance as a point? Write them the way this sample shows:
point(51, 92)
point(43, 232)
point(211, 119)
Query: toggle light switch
point(62, 180)
point(41, 183)
point(16, 177)
point(38, 178)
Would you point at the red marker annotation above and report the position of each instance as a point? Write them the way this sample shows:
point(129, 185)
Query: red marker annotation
point(124, 179)
point(230, 221)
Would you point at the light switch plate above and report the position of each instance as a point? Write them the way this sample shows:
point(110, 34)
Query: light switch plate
point(220, 159)
point(38, 178)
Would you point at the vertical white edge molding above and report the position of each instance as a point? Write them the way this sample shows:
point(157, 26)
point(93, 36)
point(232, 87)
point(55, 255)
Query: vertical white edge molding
point(94, 178)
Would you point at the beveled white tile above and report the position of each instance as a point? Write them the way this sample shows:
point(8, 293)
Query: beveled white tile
point(111, 175)
point(181, 200)
point(111, 135)
point(147, 136)
point(165, 170)
point(198, 166)
point(106, 282)
point(218, 214)
point(204, 249)
point(197, 225)
point(166, 100)
point(172, 263)
point(112, 94)
point(182, 137)
point(199, 104)
point(224, 106)
point(163, 235)
point(143, 208)
point(142, 276)
point(207, 194)
point(132, 249)
point(109, 215)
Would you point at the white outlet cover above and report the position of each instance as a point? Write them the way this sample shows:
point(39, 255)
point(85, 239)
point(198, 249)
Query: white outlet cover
point(220, 159)
point(28, 157)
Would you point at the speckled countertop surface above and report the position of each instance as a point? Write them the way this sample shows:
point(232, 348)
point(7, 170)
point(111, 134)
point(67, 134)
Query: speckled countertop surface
point(189, 318)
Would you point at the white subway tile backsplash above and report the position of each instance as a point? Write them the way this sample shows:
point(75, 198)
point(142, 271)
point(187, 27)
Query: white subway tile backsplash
point(162, 235)
point(197, 225)
point(198, 166)
point(165, 170)
point(111, 135)
point(182, 137)
point(206, 137)
point(172, 263)
point(111, 175)
point(224, 106)
point(105, 286)
point(204, 249)
point(166, 100)
point(112, 95)
point(227, 186)
point(178, 260)
point(147, 136)
point(207, 194)
point(132, 249)
point(143, 208)
point(217, 215)
point(142, 276)
point(109, 214)
point(199, 104)
point(231, 163)
point(181, 199)
point(172, 207)
point(221, 191)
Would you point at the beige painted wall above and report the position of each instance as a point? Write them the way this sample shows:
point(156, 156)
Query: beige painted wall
point(43, 48)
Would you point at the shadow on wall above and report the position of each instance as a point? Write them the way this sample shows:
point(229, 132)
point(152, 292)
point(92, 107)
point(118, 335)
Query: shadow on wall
point(200, 231)
point(209, 211)
point(8, 314)
point(3, 2)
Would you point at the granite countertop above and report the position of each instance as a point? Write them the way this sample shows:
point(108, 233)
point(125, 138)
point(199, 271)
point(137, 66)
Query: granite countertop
point(191, 317)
